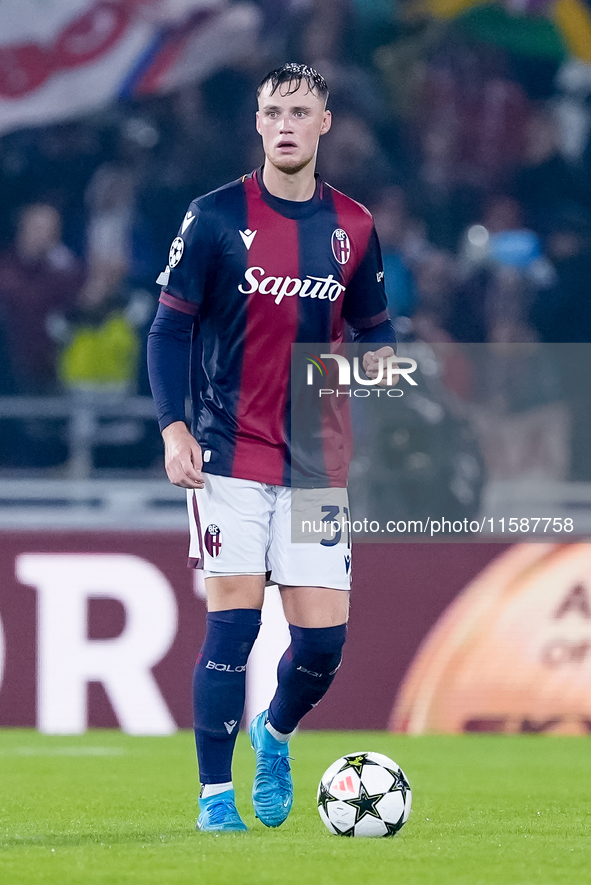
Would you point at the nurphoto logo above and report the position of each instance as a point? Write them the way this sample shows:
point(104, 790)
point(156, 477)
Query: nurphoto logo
point(390, 370)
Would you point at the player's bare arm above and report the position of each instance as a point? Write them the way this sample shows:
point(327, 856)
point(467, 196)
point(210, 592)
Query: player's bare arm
point(182, 456)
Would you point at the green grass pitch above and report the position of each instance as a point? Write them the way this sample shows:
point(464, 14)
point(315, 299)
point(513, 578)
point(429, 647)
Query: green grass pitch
point(111, 809)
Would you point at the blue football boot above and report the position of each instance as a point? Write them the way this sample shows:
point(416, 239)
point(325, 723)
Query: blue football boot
point(219, 814)
point(272, 791)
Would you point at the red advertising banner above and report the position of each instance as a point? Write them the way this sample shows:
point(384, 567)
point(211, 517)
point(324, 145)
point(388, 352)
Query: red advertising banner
point(102, 629)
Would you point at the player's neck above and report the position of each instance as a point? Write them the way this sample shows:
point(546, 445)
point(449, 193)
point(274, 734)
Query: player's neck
point(299, 186)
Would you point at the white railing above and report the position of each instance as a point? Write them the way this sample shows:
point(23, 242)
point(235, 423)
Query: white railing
point(100, 504)
point(80, 498)
point(83, 411)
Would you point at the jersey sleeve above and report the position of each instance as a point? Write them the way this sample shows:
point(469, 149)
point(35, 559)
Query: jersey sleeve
point(383, 333)
point(190, 263)
point(365, 303)
point(169, 353)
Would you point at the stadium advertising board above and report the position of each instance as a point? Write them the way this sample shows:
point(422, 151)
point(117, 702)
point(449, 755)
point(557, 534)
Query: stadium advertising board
point(102, 629)
point(512, 653)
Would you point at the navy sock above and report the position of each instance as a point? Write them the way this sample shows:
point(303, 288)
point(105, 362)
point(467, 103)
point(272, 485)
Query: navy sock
point(219, 682)
point(305, 673)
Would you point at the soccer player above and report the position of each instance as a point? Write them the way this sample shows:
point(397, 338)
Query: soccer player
point(275, 258)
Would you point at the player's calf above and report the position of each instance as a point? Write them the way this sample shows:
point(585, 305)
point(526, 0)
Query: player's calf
point(219, 692)
point(305, 673)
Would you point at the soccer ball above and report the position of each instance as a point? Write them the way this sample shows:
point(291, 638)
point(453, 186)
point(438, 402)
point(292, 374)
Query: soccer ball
point(364, 794)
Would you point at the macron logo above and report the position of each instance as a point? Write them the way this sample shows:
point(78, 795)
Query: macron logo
point(230, 726)
point(187, 221)
point(247, 236)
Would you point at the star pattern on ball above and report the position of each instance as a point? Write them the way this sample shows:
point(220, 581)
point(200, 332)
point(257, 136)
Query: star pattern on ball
point(400, 783)
point(324, 797)
point(355, 762)
point(365, 804)
point(393, 828)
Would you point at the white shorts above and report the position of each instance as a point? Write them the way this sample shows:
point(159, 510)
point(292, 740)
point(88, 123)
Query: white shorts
point(243, 527)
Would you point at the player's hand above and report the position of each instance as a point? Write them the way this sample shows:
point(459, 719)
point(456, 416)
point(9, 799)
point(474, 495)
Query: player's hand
point(371, 364)
point(182, 457)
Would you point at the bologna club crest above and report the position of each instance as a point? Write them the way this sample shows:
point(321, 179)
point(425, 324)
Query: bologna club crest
point(341, 245)
point(213, 540)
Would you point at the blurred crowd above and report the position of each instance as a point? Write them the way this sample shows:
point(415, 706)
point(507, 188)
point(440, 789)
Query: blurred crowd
point(468, 139)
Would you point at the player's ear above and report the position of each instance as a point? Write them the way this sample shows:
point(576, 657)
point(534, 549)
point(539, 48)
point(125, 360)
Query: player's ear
point(326, 122)
point(258, 122)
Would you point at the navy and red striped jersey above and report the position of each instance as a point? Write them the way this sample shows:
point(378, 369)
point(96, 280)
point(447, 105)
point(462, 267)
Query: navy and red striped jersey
point(257, 274)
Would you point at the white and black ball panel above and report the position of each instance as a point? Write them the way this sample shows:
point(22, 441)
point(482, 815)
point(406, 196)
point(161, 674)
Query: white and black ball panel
point(345, 784)
point(341, 815)
point(408, 804)
point(371, 827)
point(326, 821)
point(376, 779)
point(380, 759)
point(392, 807)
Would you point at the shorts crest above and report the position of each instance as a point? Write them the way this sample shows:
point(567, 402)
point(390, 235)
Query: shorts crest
point(213, 540)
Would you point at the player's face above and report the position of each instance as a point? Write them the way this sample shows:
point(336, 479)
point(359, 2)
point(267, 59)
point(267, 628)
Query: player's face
point(290, 126)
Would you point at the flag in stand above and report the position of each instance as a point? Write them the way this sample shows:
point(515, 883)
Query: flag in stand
point(64, 58)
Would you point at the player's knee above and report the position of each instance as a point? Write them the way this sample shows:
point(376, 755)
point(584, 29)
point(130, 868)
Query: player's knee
point(318, 651)
point(229, 638)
